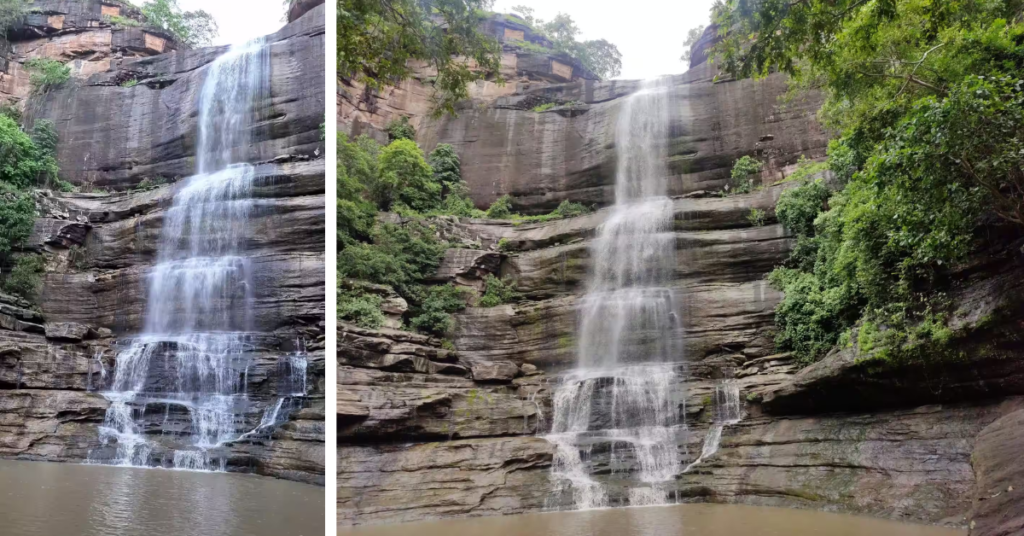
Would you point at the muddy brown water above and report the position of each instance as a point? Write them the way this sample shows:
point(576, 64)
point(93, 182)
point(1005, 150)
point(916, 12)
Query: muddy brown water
point(52, 499)
point(680, 520)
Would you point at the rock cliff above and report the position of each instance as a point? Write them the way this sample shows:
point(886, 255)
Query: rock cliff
point(428, 433)
point(139, 138)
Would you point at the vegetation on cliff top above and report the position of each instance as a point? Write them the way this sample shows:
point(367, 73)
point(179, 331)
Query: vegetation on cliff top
point(597, 56)
point(928, 102)
point(377, 39)
point(193, 28)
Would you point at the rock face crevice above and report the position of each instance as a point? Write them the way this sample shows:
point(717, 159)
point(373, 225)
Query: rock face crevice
point(424, 436)
point(100, 248)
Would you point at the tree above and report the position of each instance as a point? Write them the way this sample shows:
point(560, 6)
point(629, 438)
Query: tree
point(192, 28)
point(599, 56)
point(12, 12)
point(406, 178)
point(17, 216)
point(928, 104)
point(692, 37)
point(378, 38)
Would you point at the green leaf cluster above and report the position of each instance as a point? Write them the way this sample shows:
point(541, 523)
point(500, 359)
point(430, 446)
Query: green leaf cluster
point(598, 56)
point(25, 279)
point(362, 309)
point(401, 256)
point(926, 100)
point(434, 313)
point(498, 291)
point(192, 28)
point(742, 170)
point(379, 39)
point(46, 74)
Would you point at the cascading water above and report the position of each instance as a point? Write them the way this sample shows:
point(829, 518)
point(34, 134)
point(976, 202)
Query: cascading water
point(193, 357)
point(727, 411)
point(624, 391)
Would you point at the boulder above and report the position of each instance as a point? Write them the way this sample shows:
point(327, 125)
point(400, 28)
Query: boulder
point(998, 508)
point(69, 331)
point(493, 371)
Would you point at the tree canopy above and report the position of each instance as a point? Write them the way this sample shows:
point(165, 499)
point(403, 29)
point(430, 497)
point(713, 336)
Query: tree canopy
point(926, 100)
point(598, 56)
point(193, 28)
point(378, 38)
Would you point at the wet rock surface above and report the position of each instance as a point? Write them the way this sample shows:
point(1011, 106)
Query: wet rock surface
point(998, 508)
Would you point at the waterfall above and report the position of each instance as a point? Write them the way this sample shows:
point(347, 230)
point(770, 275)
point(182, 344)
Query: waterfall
point(191, 362)
point(726, 411)
point(625, 389)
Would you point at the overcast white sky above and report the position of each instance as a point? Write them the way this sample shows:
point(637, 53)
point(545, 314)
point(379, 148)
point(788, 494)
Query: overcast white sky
point(240, 20)
point(649, 33)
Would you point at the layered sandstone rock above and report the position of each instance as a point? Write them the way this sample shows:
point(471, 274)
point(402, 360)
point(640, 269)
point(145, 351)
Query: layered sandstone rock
point(114, 137)
point(89, 36)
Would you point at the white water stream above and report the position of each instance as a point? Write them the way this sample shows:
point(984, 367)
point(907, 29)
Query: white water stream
point(194, 354)
point(624, 390)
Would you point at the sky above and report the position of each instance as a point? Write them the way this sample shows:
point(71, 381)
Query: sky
point(649, 33)
point(240, 20)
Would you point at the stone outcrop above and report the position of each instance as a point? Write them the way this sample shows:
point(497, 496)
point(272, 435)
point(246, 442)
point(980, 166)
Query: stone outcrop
point(542, 159)
point(298, 8)
point(57, 354)
point(527, 61)
point(998, 508)
point(89, 36)
point(114, 136)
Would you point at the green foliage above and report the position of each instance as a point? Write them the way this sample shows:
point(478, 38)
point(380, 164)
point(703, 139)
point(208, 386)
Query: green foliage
point(399, 256)
point(459, 205)
point(122, 21)
point(692, 37)
point(21, 161)
point(570, 209)
point(434, 314)
point(741, 172)
point(498, 291)
point(504, 245)
point(130, 83)
point(501, 208)
point(46, 74)
point(364, 310)
point(757, 217)
point(147, 184)
point(378, 38)
point(544, 107)
point(17, 216)
point(357, 167)
point(12, 12)
point(447, 168)
point(598, 56)
point(25, 278)
point(799, 207)
point(44, 137)
point(192, 28)
point(406, 178)
point(11, 111)
point(400, 129)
